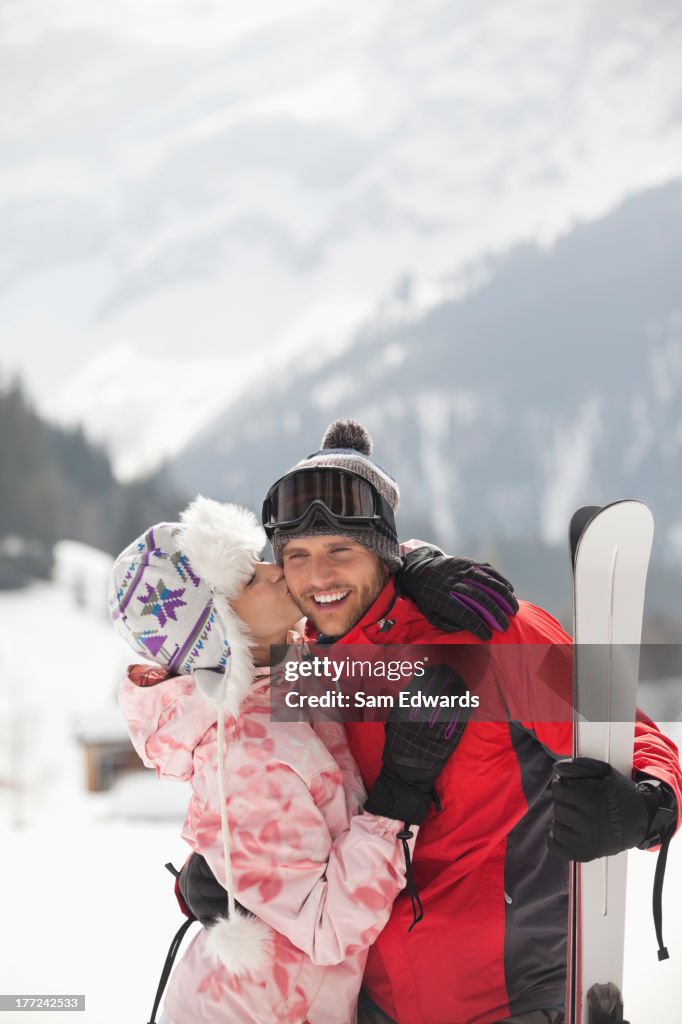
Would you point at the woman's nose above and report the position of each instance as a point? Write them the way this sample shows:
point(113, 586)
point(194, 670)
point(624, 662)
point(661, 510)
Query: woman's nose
point(272, 572)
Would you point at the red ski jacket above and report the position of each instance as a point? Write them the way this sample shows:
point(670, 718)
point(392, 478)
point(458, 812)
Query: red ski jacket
point(493, 939)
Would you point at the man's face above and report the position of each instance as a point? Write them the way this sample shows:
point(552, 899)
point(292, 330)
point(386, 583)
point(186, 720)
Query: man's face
point(333, 580)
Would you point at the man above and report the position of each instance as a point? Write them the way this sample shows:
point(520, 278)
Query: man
point(491, 946)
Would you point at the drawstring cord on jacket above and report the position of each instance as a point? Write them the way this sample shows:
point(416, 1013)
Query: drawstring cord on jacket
point(417, 908)
point(658, 896)
point(662, 827)
point(170, 957)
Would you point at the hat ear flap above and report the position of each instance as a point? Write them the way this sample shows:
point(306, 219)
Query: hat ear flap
point(230, 688)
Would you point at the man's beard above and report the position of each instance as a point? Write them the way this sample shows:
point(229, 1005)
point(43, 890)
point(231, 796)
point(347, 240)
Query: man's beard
point(338, 622)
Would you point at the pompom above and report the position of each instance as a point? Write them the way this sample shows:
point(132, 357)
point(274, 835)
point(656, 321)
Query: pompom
point(242, 943)
point(348, 434)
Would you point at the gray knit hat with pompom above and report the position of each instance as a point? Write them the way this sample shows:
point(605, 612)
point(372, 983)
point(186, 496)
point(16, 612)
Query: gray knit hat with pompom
point(347, 445)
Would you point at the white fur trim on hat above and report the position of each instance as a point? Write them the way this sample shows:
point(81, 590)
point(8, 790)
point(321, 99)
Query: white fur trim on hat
point(222, 541)
point(240, 673)
point(242, 943)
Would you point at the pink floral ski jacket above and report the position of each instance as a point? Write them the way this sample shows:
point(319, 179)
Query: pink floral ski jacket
point(306, 860)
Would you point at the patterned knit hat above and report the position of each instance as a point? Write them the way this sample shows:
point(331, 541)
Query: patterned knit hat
point(169, 595)
point(172, 604)
point(347, 445)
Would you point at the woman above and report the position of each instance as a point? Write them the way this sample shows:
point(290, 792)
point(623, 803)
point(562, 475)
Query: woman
point(276, 807)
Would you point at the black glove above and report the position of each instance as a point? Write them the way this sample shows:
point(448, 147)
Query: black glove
point(201, 890)
point(605, 1004)
point(417, 747)
point(599, 812)
point(457, 593)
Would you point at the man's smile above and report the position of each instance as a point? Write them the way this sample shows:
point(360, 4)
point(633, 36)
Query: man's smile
point(331, 598)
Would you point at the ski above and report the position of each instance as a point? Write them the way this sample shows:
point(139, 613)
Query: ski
point(610, 550)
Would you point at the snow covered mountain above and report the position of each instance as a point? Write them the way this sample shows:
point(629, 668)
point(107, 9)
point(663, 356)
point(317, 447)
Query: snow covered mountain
point(192, 193)
point(556, 383)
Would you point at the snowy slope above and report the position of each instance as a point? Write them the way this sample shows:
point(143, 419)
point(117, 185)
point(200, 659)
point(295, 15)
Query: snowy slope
point(67, 922)
point(193, 192)
point(90, 911)
point(59, 661)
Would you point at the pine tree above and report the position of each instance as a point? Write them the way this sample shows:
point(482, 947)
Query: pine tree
point(55, 484)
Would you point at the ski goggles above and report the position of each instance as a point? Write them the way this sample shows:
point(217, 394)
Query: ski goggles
point(343, 497)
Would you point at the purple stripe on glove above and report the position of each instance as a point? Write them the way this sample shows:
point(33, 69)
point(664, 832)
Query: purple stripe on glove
point(496, 596)
point(482, 612)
